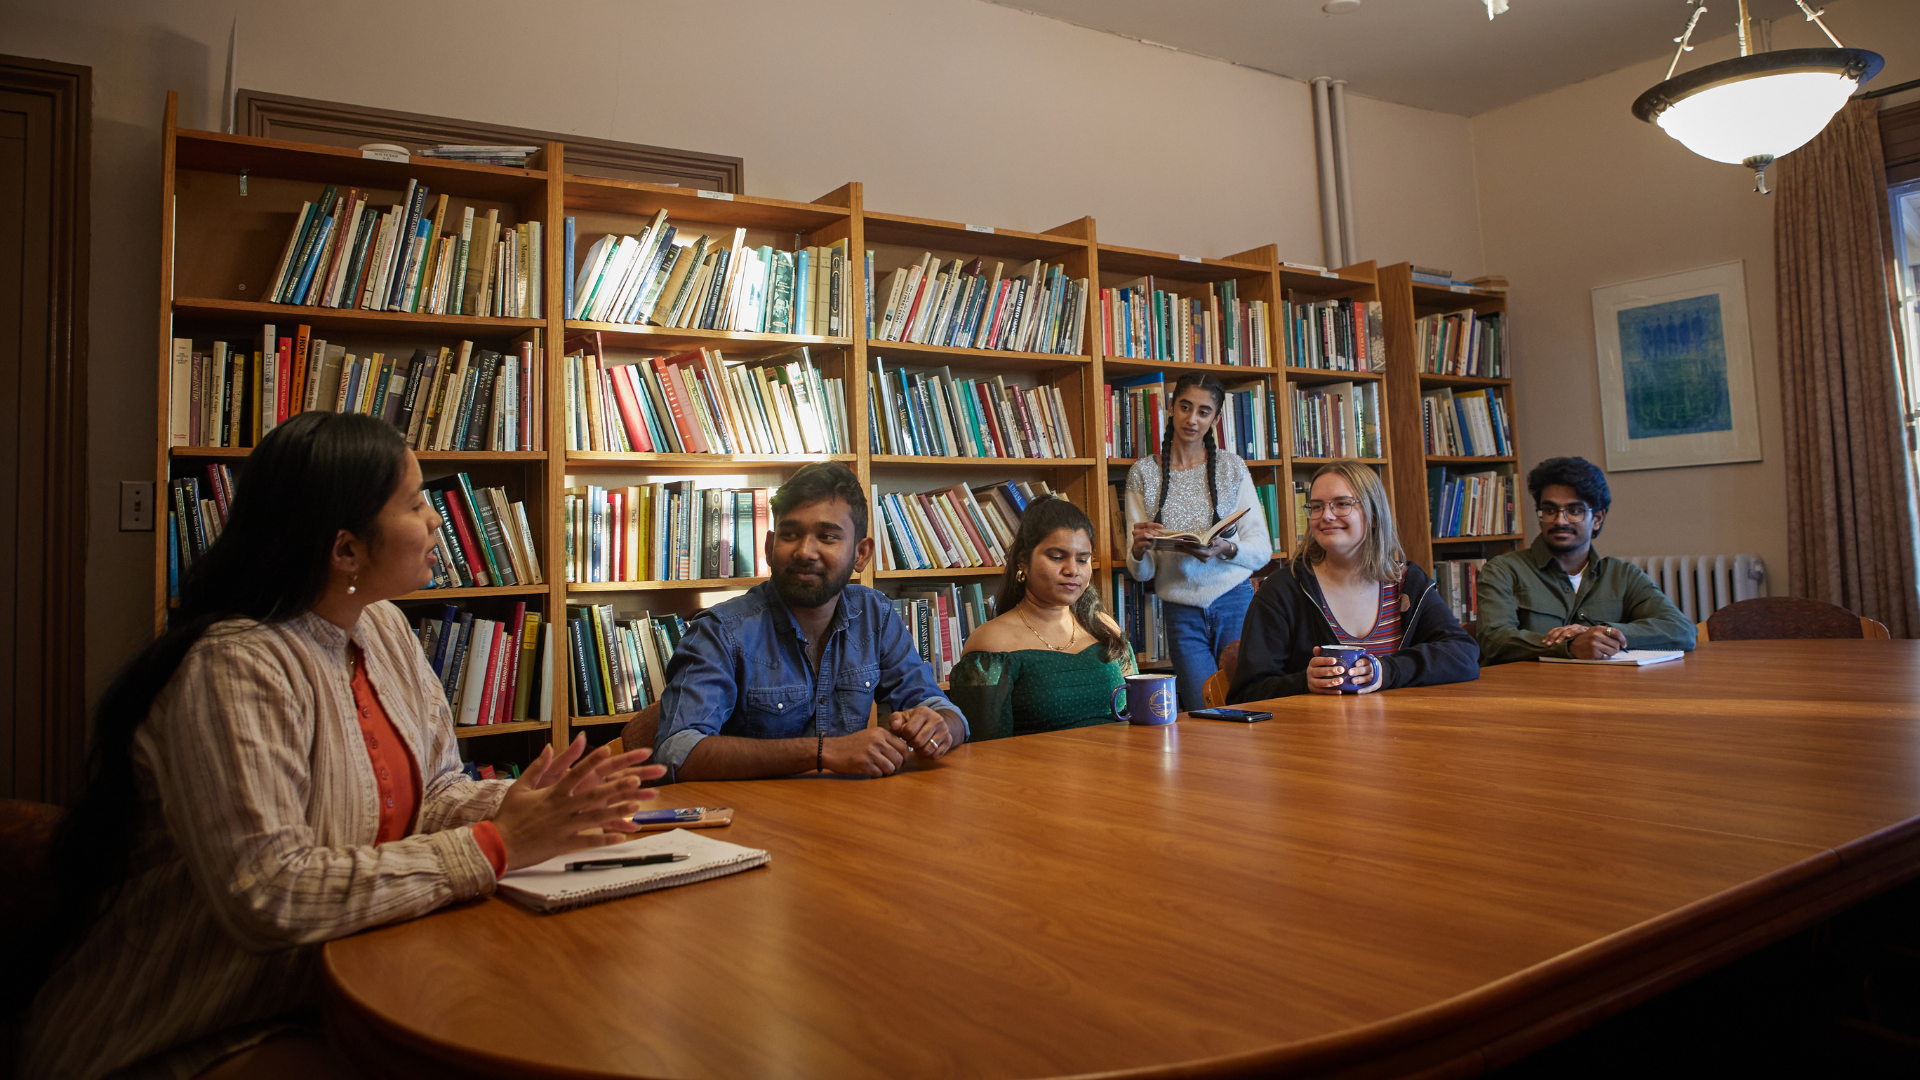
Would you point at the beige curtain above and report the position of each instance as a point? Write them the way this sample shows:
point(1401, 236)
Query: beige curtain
point(1851, 519)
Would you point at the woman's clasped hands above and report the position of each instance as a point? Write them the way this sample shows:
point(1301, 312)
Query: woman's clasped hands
point(558, 802)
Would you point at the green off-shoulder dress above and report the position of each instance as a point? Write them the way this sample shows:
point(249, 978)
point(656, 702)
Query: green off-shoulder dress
point(1034, 690)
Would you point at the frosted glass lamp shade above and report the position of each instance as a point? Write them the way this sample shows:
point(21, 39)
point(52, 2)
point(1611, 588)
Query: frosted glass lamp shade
point(1763, 106)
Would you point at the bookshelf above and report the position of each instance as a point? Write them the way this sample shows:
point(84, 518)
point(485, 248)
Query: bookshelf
point(225, 245)
point(1404, 301)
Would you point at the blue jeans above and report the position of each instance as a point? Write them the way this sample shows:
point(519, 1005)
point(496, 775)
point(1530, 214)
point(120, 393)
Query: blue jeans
point(1195, 637)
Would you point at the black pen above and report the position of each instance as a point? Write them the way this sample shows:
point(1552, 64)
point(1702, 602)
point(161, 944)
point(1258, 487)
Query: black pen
point(613, 864)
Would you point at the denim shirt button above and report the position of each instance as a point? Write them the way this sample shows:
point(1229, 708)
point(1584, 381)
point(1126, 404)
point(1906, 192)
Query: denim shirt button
point(780, 705)
point(868, 682)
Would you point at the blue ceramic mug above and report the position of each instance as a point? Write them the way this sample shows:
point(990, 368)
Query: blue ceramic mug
point(1349, 659)
point(1150, 700)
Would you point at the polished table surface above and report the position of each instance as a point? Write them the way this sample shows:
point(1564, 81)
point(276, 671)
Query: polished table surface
point(1432, 879)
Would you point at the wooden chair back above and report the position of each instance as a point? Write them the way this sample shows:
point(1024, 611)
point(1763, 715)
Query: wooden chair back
point(1214, 690)
point(639, 731)
point(1774, 618)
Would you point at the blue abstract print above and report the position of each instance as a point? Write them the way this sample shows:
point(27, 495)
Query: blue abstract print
point(1673, 357)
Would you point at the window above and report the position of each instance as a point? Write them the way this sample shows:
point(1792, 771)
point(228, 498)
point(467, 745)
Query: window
point(1906, 247)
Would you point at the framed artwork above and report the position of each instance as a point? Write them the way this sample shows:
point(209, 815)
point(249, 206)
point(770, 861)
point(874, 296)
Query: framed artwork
point(1676, 370)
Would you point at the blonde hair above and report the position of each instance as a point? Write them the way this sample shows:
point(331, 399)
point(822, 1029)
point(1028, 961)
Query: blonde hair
point(1380, 555)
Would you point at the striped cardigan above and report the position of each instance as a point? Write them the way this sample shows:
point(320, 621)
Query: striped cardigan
point(255, 843)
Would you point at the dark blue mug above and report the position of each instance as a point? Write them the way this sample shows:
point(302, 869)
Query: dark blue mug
point(1150, 700)
point(1349, 658)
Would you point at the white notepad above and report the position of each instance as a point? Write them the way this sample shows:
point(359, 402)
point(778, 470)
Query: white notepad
point(550, 886)
point(1623, 658)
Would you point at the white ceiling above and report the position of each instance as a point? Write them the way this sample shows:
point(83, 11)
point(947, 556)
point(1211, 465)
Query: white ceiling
point(1434, 54)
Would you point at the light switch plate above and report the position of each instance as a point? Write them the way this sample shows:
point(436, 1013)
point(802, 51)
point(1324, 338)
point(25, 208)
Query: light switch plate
point(136, 506)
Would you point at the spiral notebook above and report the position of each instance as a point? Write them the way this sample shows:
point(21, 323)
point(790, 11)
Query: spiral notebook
point(550, 886)
point(1623, 658)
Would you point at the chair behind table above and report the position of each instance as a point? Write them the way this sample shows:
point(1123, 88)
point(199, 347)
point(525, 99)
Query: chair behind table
point(1214, 690)
point(1773, 618)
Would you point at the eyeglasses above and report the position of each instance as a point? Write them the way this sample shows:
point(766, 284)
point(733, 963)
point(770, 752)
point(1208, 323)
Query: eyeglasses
point(1576, 512)
point(1336, 508)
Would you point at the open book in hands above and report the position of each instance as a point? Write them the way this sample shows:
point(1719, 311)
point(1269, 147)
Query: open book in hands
point(1226, 526)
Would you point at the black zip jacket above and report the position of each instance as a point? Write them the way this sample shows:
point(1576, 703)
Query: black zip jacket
point(1286, 622)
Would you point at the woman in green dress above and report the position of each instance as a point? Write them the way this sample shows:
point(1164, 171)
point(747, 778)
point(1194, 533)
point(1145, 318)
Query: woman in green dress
point(1052, 659)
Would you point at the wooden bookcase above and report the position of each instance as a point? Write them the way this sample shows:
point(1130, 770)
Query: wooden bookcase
point(1404, 301)
point(224, 243)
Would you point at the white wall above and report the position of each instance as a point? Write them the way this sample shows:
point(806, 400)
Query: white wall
point(955, 109)
point(1576, 193)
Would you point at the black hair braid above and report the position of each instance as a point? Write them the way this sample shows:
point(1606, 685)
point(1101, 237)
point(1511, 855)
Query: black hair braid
point(1166, 470)
point(1213, 486)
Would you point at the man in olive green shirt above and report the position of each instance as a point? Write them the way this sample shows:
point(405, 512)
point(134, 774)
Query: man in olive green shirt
point(1559, 597)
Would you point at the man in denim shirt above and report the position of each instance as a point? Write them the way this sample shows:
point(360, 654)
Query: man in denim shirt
point(781, 680)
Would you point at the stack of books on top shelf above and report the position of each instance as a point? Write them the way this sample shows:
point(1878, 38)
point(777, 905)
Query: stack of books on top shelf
point(1458, 582)
point(1472, 503)
point(482, 153)
point(1036, 309)
point(1462, 343)
point(1339, 420)
point(490, 670)
point(1465, 423)
point(344, 253)
point(233, 395)
point(1137, 610)
point(700, 403)
point(940, 618)
point(665, 532)
point(195, 515)
point(933, 414)
point(1335, 335)
point(955, 527)
point(618, 665)
point(664, 277)
point(484, 539)
point(1141, 321)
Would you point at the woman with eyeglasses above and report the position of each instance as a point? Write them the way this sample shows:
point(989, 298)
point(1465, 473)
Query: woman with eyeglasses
point(1351, 587)
point(1187, 487)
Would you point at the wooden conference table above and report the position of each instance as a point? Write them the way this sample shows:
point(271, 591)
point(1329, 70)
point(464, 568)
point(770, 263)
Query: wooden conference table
point(1442, 877)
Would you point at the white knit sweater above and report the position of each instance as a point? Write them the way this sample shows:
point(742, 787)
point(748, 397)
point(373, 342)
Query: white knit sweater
point(1183, 579)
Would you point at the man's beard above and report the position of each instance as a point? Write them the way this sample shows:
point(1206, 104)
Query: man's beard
point(796, 595)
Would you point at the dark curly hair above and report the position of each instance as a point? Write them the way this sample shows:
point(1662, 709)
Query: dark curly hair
point(1583, 476)
point(818, 481)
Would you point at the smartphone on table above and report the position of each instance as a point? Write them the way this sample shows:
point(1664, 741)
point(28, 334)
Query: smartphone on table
point(1241, 716)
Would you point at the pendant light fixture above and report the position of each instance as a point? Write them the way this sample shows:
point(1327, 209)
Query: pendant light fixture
point(1756, 107)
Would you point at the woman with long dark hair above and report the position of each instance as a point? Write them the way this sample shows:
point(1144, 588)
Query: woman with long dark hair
point(1051, 659)
point(278, 769)
point(1187, 487)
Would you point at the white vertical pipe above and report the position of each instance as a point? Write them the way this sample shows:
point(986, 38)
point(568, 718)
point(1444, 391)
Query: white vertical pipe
point(1329, 184)
point(1343, 171)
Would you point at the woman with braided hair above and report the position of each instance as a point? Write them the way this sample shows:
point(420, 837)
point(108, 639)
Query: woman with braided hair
point(1188, 486)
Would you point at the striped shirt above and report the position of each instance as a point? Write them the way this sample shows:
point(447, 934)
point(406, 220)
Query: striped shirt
point(255, 843)
point(1385, 635)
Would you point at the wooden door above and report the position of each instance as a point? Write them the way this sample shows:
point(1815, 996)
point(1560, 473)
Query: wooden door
point(45, 135)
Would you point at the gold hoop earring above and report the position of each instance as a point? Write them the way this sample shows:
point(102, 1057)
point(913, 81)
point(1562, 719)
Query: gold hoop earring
point(1020, 574)
point(351, 588)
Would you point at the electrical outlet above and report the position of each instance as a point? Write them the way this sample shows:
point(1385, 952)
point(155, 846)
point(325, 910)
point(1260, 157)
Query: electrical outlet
point(136, 506)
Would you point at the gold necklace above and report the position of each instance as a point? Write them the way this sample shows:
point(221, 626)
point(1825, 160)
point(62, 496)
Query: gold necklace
point(1073, 635)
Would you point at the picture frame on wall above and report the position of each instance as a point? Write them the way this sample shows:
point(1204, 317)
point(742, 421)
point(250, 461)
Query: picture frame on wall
point(1676, 370)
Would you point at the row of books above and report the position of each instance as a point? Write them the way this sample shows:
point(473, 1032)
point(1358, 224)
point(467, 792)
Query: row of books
point(665, 532)
point(1141, 321)
point(1465, 423)
point(1472, 503)
point(933, 414)
point(345, 253)
point(618, 665)
point(1137, 610)
point(1036, 309)
point(1458, 583)
point(956, 526)
point(196, 512)
point(1136, 423)
point(484, 539)
point(492, 670)
point(474, 399)
point(1338, 420)
point(698, 403)
point(1335, 335)
point(940, 618)
point(674, 279)
point(1462, 343)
